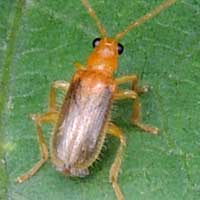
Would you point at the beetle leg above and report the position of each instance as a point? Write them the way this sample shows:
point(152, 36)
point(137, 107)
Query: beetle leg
point(134, 83)
point(39, 119)
point(79, 66)
point(115, 168)
point(52, 99)
point(136, 117)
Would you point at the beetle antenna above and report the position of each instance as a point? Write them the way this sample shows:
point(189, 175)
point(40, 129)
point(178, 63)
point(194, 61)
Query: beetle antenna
point(151, 14)
point(95, 17)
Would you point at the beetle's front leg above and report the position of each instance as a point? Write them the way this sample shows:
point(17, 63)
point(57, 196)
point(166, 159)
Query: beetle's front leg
point(79, 66)
point(134, 83)
point(136, 117)
point(63, 85)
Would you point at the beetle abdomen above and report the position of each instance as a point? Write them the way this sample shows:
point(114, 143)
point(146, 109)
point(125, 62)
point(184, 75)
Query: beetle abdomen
point(79, 134)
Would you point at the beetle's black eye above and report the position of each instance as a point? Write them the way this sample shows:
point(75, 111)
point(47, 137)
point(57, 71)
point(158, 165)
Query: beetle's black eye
point(96, 42)
point(120, 48)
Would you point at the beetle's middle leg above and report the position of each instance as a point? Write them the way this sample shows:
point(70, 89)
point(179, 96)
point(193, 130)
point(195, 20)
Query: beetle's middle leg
point(136, 116)
point(115, 168)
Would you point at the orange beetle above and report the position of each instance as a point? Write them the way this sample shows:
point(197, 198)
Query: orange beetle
point(83, 120)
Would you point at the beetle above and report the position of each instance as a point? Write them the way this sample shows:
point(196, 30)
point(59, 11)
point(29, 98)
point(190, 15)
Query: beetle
point(81, 125)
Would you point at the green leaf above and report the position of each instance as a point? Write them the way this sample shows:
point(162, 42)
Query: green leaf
point(40, 41)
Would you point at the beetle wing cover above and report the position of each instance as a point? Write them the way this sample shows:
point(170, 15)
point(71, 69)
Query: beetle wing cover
point(82, 120)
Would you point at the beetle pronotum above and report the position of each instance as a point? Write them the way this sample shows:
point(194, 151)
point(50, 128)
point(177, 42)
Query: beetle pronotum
point(83, 120)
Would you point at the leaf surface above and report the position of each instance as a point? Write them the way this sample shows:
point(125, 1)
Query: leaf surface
point(40, 41)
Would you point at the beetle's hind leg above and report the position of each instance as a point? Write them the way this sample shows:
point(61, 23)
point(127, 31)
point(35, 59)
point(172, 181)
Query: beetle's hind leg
point(115, 168)
point(39, 120)
point(49, 117)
